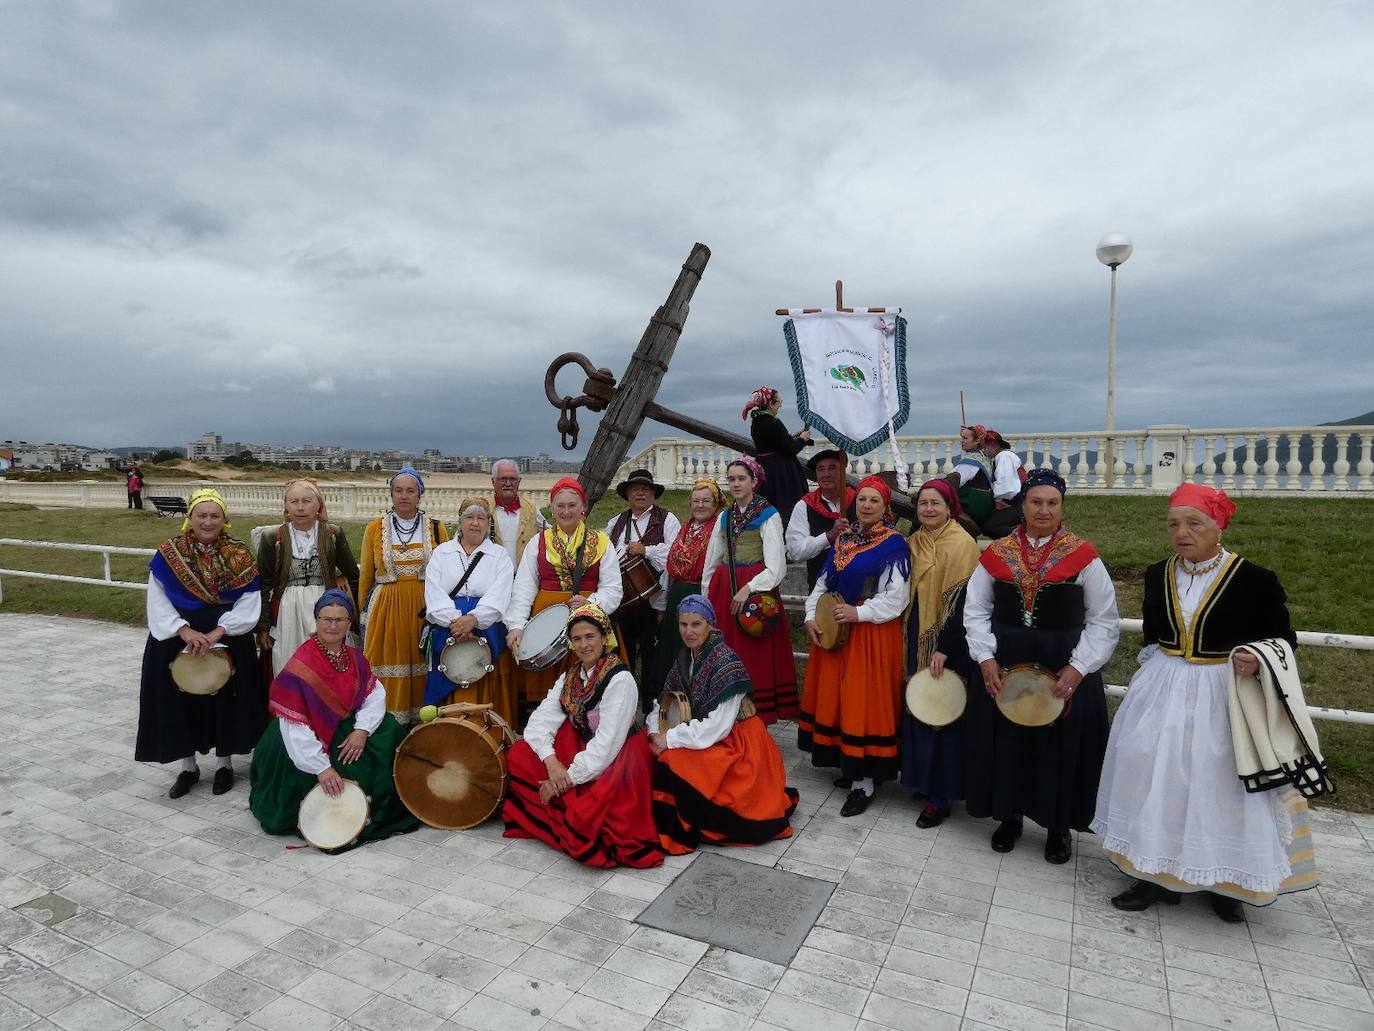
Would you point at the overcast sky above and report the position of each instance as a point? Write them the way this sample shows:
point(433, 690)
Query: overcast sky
point(375, 223)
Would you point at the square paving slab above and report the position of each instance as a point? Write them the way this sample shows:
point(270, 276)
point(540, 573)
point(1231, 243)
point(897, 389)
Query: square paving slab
point(757, 910)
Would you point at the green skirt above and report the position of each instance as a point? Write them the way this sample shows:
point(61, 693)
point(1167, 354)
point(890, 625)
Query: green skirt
point(277, 787)
point(669, 640)
point(977, 503)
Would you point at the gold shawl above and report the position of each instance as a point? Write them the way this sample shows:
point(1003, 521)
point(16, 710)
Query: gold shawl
point(941, 563)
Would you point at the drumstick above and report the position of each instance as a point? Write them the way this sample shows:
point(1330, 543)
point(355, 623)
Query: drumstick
point(459, 707)
point(963, 419)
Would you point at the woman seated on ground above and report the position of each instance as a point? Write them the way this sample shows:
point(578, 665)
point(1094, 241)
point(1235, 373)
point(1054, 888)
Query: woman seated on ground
point(202, 594)
point(580, 778)
point(719, 776)
point(852, 704)
point(1171, 811)
point(331, 725)
point(467, 592)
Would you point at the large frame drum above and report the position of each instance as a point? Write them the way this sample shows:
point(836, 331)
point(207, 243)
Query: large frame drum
point(451, 772)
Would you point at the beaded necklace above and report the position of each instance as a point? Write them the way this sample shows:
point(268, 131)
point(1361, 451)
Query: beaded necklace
point(339, 660)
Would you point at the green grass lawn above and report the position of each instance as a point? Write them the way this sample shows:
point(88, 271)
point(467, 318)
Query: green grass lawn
point(1315, 545)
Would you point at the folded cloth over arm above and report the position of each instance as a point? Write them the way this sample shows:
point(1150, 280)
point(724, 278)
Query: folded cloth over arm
point(1271, 728)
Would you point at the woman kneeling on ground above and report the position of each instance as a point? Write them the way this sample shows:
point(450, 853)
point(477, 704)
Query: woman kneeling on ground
point(719, 776)
point(328, 706)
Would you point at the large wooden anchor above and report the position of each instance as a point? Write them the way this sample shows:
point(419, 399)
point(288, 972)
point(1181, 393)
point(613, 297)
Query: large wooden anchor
point(628, 404)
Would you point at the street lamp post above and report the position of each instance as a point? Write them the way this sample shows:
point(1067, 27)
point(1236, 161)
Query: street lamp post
point(1112, 250)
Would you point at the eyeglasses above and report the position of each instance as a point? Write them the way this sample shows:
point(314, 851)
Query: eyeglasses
point(333, 620)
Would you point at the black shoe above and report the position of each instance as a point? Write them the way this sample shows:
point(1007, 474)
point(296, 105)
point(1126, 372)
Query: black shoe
point(183, 783)
point(856, 803)
point(224, 780)
point(1004, 837)
point(1228, 909)
point(932, 816)
point(1058, 847)
point(844, 782)
point(1142, 895)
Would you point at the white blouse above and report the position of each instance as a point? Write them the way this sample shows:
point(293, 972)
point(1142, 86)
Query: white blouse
point(888, 604)
point(657, 554)
point(801, 545)
point(490, 582)
point(304, 747)
point(164, 620)
point(774, 555)
point(1193, 588)
point(606, 597)
point(703, 732)
point(610, 721)
point(508, 525)
point(1101, 624)
point(1006, 482)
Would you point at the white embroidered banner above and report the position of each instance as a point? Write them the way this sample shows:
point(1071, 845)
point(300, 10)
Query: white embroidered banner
point(849, 370)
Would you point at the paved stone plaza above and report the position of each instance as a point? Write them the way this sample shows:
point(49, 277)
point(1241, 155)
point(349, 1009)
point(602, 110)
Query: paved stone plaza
point(121, 908)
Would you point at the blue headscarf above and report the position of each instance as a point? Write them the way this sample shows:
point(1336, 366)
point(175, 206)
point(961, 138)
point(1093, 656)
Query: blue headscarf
point(697, 603)
point(334, 596)
point(1042, 478)
point(406, 470)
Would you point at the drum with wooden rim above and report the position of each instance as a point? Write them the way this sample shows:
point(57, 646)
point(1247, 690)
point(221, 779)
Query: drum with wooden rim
point(451, 771)
point(203, 674)
point(674, 709)
point(1027, 695)
point(936, 701)
point(638, 581)
point(332, 823)
point(831, 633)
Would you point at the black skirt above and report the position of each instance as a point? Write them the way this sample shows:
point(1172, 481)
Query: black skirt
point(173, 724)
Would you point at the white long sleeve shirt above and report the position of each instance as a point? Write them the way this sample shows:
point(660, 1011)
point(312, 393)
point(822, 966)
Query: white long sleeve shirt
point(491, 582)
point(1006, 481)
point(304, 747)
point(610, 721)
point(606, 596)
point(888, 604)
point(656, 554)
point(164, 620)
point(508, 525)
point(1101, 625)
point(801, 544)
point(774, 556)
point(703, 732)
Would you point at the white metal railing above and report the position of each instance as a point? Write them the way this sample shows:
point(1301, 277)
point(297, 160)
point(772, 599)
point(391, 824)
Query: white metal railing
point(1250, 460)
point(104, 550)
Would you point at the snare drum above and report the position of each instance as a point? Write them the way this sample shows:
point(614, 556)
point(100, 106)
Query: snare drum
point(465, 662)
point(451, 772)
point(203, 674)
point(334, 823)
point(831, 633)
point(545, 638)
point(638, 581)
point(1027, 695)
point(936, 701)
point(674, 709)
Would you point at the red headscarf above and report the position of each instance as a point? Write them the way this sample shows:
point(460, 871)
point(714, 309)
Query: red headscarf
point(568, 483)
point(946, 491)
point(760, 399)
point(1209, 502)
point(979, 431)
point(880, 486)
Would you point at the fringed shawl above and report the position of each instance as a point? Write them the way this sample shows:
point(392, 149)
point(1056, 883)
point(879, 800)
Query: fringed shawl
point(687, 555)
point(561, 551)
point(941, 563)
point(714, 676)
point(312, 692)
point(856, 569)
point(195, 575)
point(582, 690)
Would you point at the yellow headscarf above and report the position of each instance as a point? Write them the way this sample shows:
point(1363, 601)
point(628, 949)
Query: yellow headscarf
point(204, 494)
point(594, 614)
point(714, 488)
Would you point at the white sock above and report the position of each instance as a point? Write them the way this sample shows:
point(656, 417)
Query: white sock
point(224, 762)
point(188, 765)
point(864, 784)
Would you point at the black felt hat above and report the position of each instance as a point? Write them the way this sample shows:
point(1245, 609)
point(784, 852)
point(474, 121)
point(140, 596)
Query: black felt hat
point(639, 476)
point(829, 452)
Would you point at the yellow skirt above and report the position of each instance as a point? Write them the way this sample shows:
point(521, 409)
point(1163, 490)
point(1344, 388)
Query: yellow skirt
point(497, 688)
point(391, 642)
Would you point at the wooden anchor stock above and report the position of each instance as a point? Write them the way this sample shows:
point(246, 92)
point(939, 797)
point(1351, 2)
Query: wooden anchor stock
point(629, 404)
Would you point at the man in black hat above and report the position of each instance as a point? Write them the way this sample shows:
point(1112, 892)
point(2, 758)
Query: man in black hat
point(643, 531)
point(822, 515)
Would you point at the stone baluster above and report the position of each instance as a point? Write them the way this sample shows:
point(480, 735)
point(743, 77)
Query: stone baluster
point(1317, 468)
point(1065, 469)
point(1365, 467)
point(1341, 467)
point(1228, 463)
point(1251, 465)
point(1208, 469)
point(1271, 463)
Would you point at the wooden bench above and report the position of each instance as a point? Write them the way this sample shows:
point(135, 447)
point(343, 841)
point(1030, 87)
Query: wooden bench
point(167, 505)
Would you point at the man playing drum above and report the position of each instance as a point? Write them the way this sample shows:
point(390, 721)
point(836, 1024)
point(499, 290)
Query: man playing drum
point(642, 534)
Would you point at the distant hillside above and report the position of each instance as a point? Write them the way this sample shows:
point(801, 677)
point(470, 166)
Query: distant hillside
point(1330, 446)
point(1367, 419)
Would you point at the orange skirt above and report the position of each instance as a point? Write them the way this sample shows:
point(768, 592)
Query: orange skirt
point(733, 793)
point(533, 685)
point(852, 703)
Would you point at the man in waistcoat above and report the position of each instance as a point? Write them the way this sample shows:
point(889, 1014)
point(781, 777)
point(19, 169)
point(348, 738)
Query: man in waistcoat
point(643, 531)
point(822, 515)
point(515, 520)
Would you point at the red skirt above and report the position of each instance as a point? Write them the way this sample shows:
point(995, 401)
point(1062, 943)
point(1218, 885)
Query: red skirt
point(733, 793)
point(605, 823)
point(852, 707)
point(772, 670)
